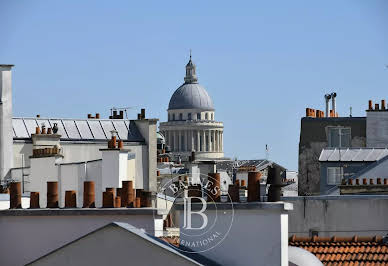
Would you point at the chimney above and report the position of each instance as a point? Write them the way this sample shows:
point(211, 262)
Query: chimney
point(137, 203)
point(15, 195)
point(142, 111)
point(107, 199)
point(215, 186)
point(383, 106)
point(117, 202)
point(70, 199)
point(89, 201)
point(370, 105)
point(34, 200)
point(121, 114)
point(234, 193)
point(127, 194)
point(377, 106)
point(333, 107)
point(97, 116)
point(6, 131)
point(52, 194)
point(327, 98)
point(274, 179)
point(254, 186)
point(146, 199)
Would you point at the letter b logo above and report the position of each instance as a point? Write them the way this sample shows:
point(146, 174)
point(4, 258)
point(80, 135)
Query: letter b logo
point(188, 213)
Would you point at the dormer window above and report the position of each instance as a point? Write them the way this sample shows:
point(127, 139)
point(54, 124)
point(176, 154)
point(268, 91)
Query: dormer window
point(189, 116)
point(181, 116)
point(173, 117)
point(198, 116)
point(206, 116)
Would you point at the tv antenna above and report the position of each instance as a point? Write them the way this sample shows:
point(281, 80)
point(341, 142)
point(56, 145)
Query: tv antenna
point(122, 109)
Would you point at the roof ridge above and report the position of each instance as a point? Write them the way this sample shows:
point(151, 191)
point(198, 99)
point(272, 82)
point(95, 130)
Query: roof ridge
point(355, 238)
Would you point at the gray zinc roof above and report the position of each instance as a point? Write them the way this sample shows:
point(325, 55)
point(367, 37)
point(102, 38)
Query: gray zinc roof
point(191, 96)
point(78, 129)
point(352, 154)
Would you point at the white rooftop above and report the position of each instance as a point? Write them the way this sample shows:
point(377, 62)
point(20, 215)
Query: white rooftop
point(352, 154)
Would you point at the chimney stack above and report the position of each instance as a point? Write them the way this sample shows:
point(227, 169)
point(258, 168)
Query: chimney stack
point(89, 195)
point(333, 107)
point(34, 200)
point(253, 186)
point(6, 131)
point(275, 182)
point(215, 186)
point(370, 105)
point(70, 199)
point(142, 111)
point(15, 195)
point(327, 98)
point(52, 194)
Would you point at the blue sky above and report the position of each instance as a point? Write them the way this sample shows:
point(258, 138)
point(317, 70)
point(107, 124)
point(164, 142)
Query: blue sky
point(262, 62)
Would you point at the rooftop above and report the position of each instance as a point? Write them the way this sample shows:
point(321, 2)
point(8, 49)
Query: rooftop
point(356, 250)
point(78, 129)
point(352, 154)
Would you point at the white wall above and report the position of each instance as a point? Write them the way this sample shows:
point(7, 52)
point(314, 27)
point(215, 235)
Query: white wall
point(42, 171)
point(6, 131)
point(263, 232)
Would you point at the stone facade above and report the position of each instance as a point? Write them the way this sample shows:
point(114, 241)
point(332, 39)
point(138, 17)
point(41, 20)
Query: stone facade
point(313, 138)
point(191, 124)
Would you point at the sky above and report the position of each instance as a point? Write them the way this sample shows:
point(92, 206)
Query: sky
point(262, 62)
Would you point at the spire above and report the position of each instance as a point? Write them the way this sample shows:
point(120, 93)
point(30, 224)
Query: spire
point(191, 77)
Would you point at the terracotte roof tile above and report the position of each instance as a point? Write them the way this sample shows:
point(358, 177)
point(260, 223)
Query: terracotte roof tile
point(356, 250)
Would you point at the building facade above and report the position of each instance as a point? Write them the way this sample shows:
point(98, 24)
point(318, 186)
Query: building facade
point(191, 124)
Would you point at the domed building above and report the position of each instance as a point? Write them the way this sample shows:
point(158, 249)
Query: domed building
point(191, 124)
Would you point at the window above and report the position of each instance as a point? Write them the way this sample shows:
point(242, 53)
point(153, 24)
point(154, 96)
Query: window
point(199, 116)
point(173, 116)
point(339, 137)
point(180, 116)
point(334, 175)
point(212, 116)
point(189, 116)
point(206, 117)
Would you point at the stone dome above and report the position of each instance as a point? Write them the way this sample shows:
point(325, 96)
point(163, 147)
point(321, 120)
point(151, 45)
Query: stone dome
point(191, 96)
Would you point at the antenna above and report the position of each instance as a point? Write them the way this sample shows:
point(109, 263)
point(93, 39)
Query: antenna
point(266, 152)
point(350, 112)
point(125, 109)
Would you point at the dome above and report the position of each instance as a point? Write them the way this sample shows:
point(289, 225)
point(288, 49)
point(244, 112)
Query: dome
point(191, 96)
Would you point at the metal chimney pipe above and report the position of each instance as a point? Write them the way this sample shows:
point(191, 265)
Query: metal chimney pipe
point(327, 98)
point(333, 107)
point(275, 182)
